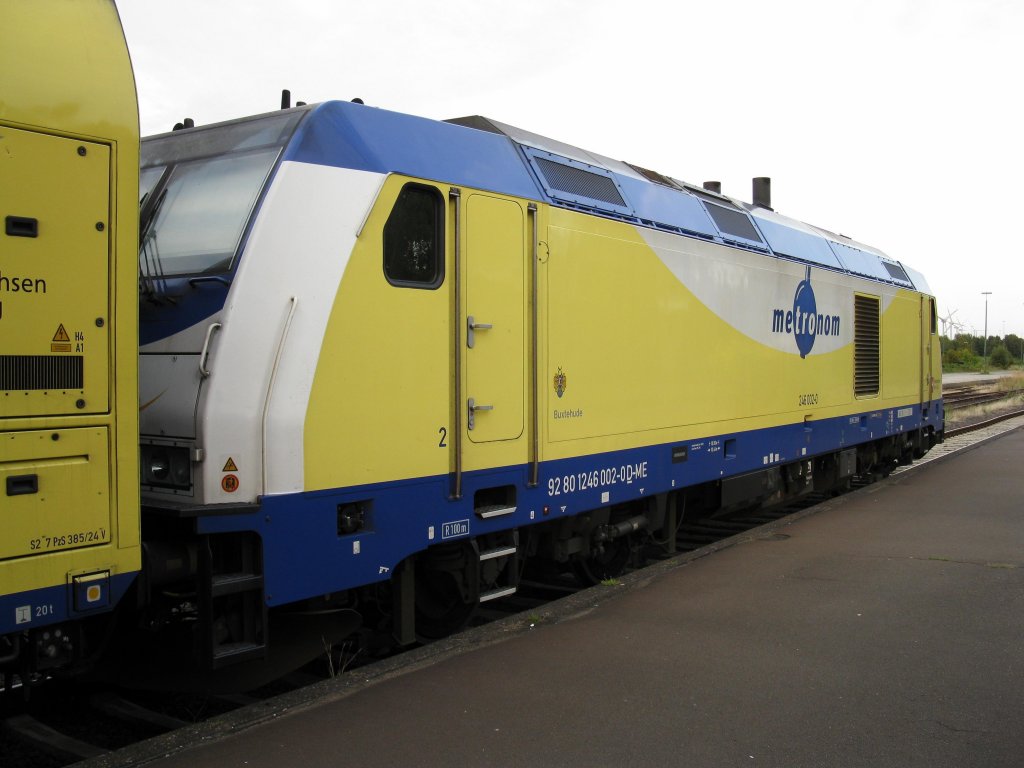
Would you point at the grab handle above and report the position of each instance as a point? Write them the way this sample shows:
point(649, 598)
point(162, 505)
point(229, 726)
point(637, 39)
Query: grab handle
point(203, 370)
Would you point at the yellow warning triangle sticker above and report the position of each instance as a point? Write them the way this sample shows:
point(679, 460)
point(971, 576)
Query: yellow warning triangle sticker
point(61, 334)
point(230, 466)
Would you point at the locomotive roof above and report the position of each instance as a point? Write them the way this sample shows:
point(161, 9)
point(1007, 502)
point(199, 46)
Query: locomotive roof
point(482, 153)
point(782, 235)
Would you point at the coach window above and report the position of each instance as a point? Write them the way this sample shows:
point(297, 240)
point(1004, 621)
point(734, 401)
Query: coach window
point(413, 246)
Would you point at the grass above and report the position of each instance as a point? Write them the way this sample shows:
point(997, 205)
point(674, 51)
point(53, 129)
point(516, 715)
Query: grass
point(1010, 383)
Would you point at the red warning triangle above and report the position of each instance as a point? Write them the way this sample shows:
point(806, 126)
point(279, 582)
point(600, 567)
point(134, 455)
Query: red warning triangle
point(61, 334)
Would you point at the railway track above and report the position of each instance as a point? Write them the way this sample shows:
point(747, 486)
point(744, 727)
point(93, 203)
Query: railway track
point(64, 724)
point(979, 425)
point(959, 397)
point(967, 395)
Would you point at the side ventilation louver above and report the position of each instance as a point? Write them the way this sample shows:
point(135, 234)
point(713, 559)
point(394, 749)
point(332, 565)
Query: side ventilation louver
point(866, 354)
point(578, 182)
point(40, 372)
point(896, 272)
point(732, 222)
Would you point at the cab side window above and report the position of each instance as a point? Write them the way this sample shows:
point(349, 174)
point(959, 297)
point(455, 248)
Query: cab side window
point(413, 240)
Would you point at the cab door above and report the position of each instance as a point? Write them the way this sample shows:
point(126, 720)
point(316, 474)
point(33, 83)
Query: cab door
point(928, 336)
point(494, 313)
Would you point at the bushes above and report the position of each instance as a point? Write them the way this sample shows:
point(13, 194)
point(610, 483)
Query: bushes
point(957, 356)
point(960, 358)
point(1000, 357)
point(963, 352)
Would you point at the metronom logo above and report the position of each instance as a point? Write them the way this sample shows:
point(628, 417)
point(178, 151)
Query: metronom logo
point(804, 321)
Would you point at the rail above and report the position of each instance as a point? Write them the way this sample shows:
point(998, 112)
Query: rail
point(983, 424)
point(967, 396)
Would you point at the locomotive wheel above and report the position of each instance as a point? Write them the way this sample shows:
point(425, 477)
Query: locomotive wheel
point(607, 564)
point(440, 608)
point(440, 598)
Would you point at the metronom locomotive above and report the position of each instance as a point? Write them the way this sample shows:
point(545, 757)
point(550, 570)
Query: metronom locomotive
point(385, 361)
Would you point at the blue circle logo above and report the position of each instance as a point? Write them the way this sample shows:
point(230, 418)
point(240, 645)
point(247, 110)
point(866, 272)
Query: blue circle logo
point(805, 311)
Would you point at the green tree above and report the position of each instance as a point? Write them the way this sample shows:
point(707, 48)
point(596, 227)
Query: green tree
point(1015, 346)
point(1000, 357)
point(960, 359)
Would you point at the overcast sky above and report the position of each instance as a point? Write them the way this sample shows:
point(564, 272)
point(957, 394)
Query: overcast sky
point(896, 122)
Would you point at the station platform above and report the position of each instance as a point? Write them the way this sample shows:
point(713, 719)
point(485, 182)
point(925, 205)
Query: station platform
point(884, 628)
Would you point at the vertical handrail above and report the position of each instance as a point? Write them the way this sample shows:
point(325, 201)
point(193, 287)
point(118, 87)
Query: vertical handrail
point(455, 196)
point(270, 389)
point(924, 369)
point(203, 370)
point(534, 354)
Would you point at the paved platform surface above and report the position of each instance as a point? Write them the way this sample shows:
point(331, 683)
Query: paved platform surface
point(886, 630)
point(974, 378)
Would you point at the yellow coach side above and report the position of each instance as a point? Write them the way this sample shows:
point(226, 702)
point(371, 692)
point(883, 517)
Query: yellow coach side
point(69, 161)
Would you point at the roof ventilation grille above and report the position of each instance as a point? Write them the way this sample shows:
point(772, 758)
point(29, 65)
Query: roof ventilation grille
point(578, 182)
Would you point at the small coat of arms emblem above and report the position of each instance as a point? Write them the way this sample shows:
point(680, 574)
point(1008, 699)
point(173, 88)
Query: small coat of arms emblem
point(559, 383)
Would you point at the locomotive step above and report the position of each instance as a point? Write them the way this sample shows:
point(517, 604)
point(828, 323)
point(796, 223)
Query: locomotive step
point(495, 510)
point(238, 652)
point(232, 583)
point(490, 554)
point(494, 594)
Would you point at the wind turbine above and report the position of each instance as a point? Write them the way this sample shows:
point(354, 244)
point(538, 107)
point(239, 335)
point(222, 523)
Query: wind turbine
point(950, 323)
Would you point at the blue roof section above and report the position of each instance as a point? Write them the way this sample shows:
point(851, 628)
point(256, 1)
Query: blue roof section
point(484, 154)
point(667, 207)
point(918, 280)
point(795, 242)
point(349, 135)
point(859, 262)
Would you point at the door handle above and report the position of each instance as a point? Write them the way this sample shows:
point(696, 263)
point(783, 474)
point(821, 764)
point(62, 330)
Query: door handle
point(19, 485)
point(473, 408)
point(474, 326)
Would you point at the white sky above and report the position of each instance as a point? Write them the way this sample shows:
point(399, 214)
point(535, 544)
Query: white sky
point(896, 122)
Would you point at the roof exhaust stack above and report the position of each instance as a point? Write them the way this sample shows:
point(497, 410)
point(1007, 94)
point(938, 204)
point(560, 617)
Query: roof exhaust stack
point(763, 192)
point(713, 186)
point(286, 99)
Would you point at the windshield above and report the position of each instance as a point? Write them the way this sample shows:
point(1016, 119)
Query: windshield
point(197, 191)
point(201, 212)
point(148, 178)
